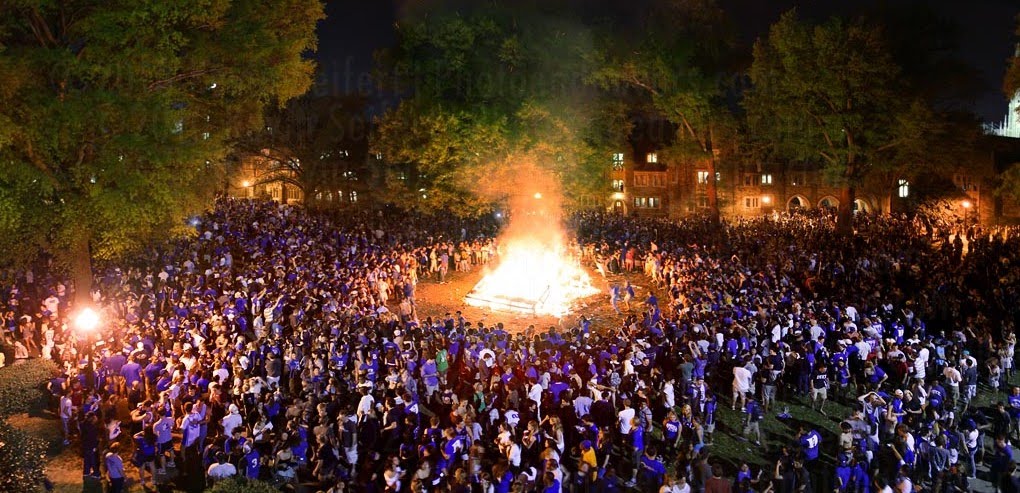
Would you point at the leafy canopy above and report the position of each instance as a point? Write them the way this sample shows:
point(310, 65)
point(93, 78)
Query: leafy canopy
point(491, 91)
point(115, 114)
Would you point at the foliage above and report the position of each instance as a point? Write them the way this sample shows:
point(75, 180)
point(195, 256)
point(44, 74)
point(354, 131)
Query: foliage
point(115, 115)
point(241, 485)
point(832, 94)
point(493, 90)
point(678, 69)
point(22, 460)
point(317, 143)
point(21, 385)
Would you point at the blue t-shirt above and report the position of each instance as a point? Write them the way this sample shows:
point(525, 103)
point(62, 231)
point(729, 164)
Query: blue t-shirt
point(638, 437)
point(671, 429)
point(810, 443)
point(251, 464)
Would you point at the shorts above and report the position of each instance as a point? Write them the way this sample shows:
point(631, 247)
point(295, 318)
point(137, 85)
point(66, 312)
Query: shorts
point(708, 428)
point(970, 392)
point(770, 392)
point(822, 393)
point(162, 448)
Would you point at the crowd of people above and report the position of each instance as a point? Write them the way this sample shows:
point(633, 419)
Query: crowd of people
point(288, 347)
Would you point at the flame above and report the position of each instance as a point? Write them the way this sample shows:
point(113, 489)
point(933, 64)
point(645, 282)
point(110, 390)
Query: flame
point(537, 276)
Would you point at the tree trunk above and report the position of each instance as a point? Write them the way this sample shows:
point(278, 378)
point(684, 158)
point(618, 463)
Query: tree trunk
point(712, 191)
point(845, 215)
point(81, 272)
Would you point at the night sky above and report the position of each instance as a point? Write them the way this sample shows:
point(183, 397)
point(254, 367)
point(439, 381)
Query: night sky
point(355, 28)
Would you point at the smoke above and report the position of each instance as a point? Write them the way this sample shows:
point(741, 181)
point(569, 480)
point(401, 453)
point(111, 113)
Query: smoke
point(537, 268)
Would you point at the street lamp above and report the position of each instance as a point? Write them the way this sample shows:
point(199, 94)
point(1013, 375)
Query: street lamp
point(966, 204)
point(87, 322)
point(245, 183)
point(538, 195)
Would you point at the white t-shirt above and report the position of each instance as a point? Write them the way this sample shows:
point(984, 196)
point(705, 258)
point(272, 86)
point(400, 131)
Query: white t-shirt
point(625, 416)
point(741, 379)
point(220, 471)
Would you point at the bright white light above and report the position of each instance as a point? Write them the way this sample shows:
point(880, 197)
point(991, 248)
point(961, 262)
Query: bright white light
point(499, 215)
point(538, 195)
point(87, 320)
point(245, 183)
point(766, 199)
point(535, 273)
point(213, 86)
point(966, 204)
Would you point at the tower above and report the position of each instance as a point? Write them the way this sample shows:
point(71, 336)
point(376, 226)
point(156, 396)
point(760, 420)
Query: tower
point(1010, 127)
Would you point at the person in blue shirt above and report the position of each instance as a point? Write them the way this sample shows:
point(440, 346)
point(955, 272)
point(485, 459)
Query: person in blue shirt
point(708, 419)
point(637, 440)
point(671, 432)
point(754, 418)
point(252, 462)
point(810, 443)
point(653, 471)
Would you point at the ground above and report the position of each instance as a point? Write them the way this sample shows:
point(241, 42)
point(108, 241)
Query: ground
point(64, 466)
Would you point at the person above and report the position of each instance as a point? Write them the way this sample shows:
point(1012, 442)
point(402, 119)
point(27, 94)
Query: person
point(810, 443)
point(820, 388)
point(114, 468)
point(717, 484)
point(89, 436)
point(221, 469)
point(753, 418)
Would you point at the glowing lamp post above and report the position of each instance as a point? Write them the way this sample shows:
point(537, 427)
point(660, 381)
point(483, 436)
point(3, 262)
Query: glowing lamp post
point(87, 322)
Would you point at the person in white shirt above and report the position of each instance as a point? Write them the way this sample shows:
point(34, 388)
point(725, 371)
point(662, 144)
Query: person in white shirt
point(741, 385)
point(625, 416)
point(221, 469)
point(232, 420)
point(366, 404)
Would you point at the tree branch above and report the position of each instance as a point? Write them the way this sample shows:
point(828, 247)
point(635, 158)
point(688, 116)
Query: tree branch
point(181, 76)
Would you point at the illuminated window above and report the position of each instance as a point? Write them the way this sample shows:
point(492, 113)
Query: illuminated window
point(766, 179)
point(618, 185)
point(641, 202)
point(617, 160)
point(702, 177)
point(354, 196)
point(654, 202)
point(751, 203)
point(904, 189)
point(652, 158)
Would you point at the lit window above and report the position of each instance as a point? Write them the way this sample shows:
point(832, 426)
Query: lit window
point(354, 196)
point(751, 203)
point(904, 189)
point(766, 179)
point(617, 160)
point(652, 158)
point(702, 177)
point(618, 185)
point(641, 202)
point(654, 202)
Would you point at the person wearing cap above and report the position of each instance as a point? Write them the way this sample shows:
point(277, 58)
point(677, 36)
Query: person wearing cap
point(232, 420)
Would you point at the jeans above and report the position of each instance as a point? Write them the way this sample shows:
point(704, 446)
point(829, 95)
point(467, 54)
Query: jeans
point(971, 453)
point(116, 485)
point(90, 466)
